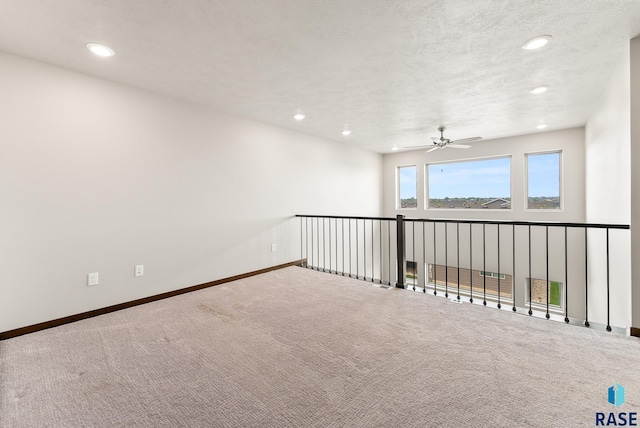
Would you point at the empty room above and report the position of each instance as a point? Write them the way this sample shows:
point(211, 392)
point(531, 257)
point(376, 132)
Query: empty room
point(293, 213)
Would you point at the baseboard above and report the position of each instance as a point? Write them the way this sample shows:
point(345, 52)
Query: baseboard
point(635, 331)
point(77, 317)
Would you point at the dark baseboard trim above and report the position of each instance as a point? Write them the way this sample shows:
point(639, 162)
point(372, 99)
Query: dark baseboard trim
point(77, 317)
point(635, 331)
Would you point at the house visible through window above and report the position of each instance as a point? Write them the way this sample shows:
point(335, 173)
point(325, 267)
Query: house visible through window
point(494, 282)
point(474, 184)
point(407, 187)
point(543, 181)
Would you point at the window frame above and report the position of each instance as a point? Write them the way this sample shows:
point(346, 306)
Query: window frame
point(474, 159)
point(398, 195)
point(560, 209)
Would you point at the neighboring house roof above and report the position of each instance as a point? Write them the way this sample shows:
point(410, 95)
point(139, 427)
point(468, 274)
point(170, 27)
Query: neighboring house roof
point(504, 201)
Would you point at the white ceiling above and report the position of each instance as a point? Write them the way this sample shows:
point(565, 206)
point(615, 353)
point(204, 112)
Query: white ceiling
point(390, 70)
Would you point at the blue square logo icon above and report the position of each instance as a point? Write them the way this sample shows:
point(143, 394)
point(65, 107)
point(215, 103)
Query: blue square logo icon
point(616, 395)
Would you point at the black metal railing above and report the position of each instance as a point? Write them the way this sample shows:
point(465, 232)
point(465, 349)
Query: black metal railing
point(531, 267)
point(351, 246)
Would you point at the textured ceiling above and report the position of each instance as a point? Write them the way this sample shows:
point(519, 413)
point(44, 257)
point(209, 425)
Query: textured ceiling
point(390, 70)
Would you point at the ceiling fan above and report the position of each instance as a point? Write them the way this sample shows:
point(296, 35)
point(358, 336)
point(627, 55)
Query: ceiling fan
point(441, 143)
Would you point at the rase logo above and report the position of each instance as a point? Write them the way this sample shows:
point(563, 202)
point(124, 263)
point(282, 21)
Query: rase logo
point(615, 396)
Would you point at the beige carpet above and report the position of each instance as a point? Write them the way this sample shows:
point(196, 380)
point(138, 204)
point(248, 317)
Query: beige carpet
point(298, 348)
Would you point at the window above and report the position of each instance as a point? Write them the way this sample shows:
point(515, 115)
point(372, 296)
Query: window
point(475, 184)
point(411, 273)
point(443, 276)
point(539, 293)
point(543, 181)
point(491, 274)
point(407, 187)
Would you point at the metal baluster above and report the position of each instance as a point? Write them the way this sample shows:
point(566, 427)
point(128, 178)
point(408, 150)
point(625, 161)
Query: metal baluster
point(357, 252)
point(381, 263)
point(364, 247)
point(513, 272)
point(329, 245)
point(471, 262)
point(307, 229)
point(424, 256)
point(547, 249)
point(413, 254)
point(608, 308)
point(342, 242)
point(350, 253)
point(389, 249)
point(499, 274)
point(337, 260)
point(446, 259)
point(566, 279)
point(373, 251)
point(324, 245)
point(484, 266)
point(435, 263)
point(458, 253)
point(336, 223)
point(586, 279)
point(530, 279)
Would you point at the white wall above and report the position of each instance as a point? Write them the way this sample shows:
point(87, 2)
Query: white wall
point(635, 177)
point(607, 142)
point(608, 187)
point(99, 177)
point(570, 141)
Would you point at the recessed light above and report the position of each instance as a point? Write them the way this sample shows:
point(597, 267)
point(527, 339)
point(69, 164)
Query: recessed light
point(299, 116)
point(346, 132)
point(539, 90)
point(100, 50)
point(541, 126)
point(395, 148)
point(536, 42)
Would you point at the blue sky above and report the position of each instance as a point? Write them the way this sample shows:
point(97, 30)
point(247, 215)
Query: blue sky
point(544, 174)
point(484, 178)
point(407, 182)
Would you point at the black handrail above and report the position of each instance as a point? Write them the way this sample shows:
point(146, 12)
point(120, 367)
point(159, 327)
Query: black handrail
point(465, 221)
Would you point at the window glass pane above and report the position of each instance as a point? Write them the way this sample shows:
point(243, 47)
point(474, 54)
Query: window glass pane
point(480, 184)
point(490, 283)
point(543, 181)
point(407, 187)
point(539, 292)
point(412, 272)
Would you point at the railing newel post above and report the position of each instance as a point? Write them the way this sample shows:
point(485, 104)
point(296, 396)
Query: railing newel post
point(400, 255)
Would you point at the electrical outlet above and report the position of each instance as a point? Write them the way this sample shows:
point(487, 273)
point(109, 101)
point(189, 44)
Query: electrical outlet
point(92, 279)
point(273, 247)
point(139, 271)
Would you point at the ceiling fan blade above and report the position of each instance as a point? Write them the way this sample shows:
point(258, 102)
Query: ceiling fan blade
point(430, 150)
point(467, 140)
point(458, 146)
point(422, 146)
